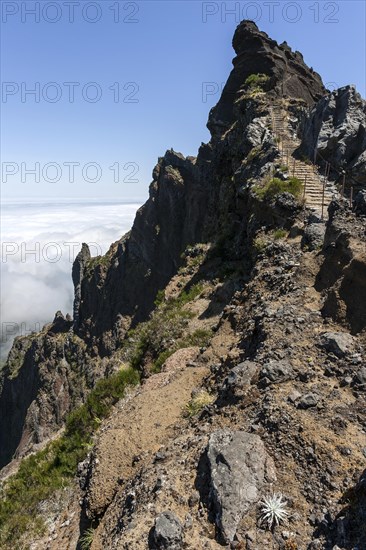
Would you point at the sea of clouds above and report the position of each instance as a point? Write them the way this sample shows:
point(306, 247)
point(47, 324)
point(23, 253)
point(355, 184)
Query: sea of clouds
point(39, 241)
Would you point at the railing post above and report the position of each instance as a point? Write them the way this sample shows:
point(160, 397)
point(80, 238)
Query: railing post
point(323, 195)
point(293, 169)
point(344, 183)
point(306, 176)
point(351, 198)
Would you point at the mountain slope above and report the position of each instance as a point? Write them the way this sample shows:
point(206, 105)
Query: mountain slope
point(227, 289)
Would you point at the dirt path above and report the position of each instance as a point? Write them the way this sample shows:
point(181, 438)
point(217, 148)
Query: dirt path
point(140, 425)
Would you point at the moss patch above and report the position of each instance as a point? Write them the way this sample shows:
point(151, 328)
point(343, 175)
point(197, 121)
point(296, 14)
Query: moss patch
point(276, 186)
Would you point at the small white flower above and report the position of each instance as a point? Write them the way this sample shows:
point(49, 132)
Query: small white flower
point(273, 510)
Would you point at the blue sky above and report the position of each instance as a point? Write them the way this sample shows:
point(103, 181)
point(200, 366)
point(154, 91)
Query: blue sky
point(162, 53)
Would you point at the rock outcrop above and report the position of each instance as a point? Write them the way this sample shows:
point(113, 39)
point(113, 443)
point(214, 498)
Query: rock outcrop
point(342, 276)
point(168, 533)
point(18, 391)
point(338, 343)
point(124, 283)
point(239, 468)
point(45, 377)
point(78, 271)
point(336, 129)
point(257, 53)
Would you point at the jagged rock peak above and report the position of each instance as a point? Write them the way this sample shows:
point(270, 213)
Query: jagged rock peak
point(248, 31)
point(60, 323)
point(289, 76)
point(77, 276)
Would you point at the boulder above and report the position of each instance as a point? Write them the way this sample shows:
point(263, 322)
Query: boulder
point(239, 467)
point(308, 400)
point(314, 235)
point(360, 377)
point(277, 371)
point(168, 532)
point(239, 378)
point(338, 343)
point(287, 205)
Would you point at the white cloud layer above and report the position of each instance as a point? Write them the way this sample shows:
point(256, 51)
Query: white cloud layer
point(39, 242)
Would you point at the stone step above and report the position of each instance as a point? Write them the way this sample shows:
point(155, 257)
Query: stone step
point(315, 185)
point(318, 198)
point(314, 201)
point(317, 193)
point(318, 189)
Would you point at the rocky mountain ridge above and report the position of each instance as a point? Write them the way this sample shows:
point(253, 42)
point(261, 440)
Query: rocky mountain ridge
point(242, 298)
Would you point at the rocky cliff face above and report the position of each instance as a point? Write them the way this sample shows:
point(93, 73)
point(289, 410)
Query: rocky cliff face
point(342, 276)
point(123, 285)
point(336, 129)
point(45, 377)
point(259, 340)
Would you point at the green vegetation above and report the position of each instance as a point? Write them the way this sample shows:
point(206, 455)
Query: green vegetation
point(283, 168)
point(43, 474)
point(194, 257)
point(162, 334)
point(222, 247)
point(201, 400)
point(188, 295)
point(256, 81)
point(159, 362)
point(160, 297)
point(275, 186)
point(279, 234)
point(305, 159)
point(259, 244)
point(16, 355)
point(253, 153)
point(255, 85)
point(87, 539)
point(199, 337)
point(97, 261)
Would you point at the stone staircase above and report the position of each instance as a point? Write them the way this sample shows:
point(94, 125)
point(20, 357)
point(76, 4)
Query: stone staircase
point(318, 191)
